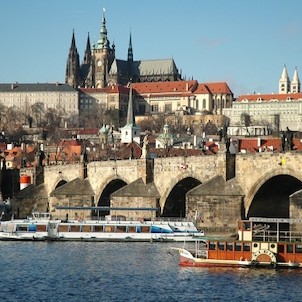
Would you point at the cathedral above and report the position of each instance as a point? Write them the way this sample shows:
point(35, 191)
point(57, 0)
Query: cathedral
point(100, 67)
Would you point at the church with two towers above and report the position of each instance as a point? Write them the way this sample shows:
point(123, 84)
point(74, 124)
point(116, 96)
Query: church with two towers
point(100, 67)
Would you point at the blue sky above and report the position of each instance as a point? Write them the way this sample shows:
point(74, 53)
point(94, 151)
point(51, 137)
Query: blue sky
point(245, 43)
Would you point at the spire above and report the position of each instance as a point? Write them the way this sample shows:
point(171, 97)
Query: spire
point(103, 41)
point(130, 112)
point(87, 54)
point(72, 76)
point(284, 82)
point(295, 83)
point(284, 75)
point(130, 50)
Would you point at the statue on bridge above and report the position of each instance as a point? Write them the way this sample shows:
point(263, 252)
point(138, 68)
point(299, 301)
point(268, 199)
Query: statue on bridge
point(287, 140)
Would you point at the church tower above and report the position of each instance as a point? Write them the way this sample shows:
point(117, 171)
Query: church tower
point(102, 57)
point(130, 132)
point(73, 76)
point(295, 83)
point(284, 82)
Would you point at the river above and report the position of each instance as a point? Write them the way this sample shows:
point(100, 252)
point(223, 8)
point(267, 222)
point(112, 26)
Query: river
point(79, 271)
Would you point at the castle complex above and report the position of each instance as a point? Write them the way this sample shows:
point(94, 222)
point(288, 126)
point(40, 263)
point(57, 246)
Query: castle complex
point(101, 68)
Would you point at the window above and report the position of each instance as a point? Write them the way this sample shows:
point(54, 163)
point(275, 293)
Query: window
point(154, 108)
point(230, 246)
point(238, 246)
point(246, 247)
point(298, 248)
point(212, 246)
point(168, 107)
point(290, 248)
point(221, 246)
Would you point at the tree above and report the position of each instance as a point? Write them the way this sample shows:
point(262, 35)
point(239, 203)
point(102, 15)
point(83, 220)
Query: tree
point(37, 111)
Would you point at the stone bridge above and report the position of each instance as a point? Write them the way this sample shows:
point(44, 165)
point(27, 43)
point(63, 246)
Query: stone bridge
point(261, 184)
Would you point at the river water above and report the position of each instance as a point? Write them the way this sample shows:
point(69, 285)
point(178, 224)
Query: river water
point(79, 271)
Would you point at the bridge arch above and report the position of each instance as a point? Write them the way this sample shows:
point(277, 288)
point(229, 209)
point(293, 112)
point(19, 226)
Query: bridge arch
point(59, 182)
point(110, 185)
point(173, 199)
point(269, 196)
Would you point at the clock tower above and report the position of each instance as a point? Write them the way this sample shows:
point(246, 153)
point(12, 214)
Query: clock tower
point(102, 57)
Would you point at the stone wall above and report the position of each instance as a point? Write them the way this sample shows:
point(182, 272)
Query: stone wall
point(135, 202)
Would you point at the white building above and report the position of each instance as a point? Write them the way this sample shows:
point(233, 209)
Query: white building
point(269, 111)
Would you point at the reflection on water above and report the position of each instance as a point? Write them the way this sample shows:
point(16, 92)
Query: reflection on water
point(75, 271)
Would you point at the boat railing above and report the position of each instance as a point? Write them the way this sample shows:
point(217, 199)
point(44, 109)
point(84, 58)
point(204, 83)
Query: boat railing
point(277, 236)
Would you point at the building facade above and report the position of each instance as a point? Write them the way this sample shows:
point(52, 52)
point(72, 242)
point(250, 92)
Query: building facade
point(62, 98)
point(268, 112)
point(101, 68)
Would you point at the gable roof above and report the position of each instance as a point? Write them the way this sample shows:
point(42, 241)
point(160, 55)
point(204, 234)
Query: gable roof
point(75, 187)
point(218, 186)
point(219, 87)
point(138, 189)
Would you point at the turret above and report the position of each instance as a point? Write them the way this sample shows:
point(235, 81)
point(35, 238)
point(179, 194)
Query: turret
point(295, 83)
point(284, 82)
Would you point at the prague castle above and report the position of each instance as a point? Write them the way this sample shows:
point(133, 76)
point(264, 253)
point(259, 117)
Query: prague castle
point(101, 68)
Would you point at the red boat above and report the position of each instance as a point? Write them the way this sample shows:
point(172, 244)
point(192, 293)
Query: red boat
point(260, 242)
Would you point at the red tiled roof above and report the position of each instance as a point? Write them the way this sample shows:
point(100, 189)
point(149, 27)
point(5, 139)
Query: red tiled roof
point(165, 87)
point(266, 144)
point(202, 89)
point(269, 97)
point(219, 87)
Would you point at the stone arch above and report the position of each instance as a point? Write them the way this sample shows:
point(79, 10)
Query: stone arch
point(105, 184)
point(188, 181)
point(269, 177)
point(59, 182)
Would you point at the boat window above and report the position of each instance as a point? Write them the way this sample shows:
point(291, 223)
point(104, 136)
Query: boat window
point(145, 229)
point(41, 227)
point(98, 228)
point(63, 228)
point(280, 248)
point(246, 247)
point(74, 228)
point(109, 228)
point(121, 229)
point(247, 225)
point(230, 246)
point(86, 228)
point(221, 246)
point(298, 248)
point(238, 246)
point(131, 229)
point(290, 248)
point(22, 228)
point(212, 246)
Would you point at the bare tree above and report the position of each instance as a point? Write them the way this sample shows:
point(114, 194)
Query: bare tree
point(37, 111)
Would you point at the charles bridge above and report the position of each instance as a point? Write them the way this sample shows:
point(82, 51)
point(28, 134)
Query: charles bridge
point(214, 189)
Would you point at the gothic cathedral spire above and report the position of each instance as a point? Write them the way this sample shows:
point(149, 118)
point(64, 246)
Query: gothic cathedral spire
point(72, 76)
point(130, 50)
point(87, 54)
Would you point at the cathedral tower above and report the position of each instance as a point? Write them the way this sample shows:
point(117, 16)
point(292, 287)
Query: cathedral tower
point(102, 57)
point(73, 76)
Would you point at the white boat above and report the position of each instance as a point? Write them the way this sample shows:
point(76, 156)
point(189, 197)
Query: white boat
point(41, 227)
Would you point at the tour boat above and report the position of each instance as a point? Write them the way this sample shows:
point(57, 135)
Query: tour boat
point(260, 242)
point(41, 227)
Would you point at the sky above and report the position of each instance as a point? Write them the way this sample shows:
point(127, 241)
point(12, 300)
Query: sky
point(245, 43)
